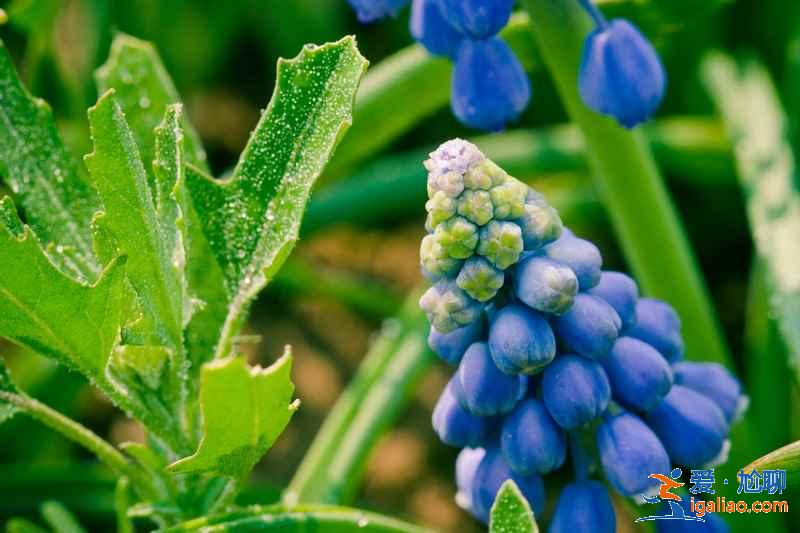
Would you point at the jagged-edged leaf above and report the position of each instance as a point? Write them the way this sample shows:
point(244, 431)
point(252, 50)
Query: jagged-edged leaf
point(43, 309)
point(511, 512)
point(7, 410)
point(252, 219)
point(244, 410)
point(144, 89)
point(139, 228)
point(48, 184)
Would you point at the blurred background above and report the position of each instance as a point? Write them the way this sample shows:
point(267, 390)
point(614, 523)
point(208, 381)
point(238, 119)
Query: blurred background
point(354, 267)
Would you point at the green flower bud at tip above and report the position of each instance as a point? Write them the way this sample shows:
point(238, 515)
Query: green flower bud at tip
point(476, 206)
point(434, 260)
point(501, 243)
point(480, 279)
point(509, 199)
point(458, 236)
point(440, 208)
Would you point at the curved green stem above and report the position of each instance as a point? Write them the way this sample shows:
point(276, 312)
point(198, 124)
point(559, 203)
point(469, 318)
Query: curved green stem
point(81, 435)
point(641, 211)
point(331, 469)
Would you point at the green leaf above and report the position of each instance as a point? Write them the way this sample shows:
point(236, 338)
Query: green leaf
point(142, 230)
point(7, 410)
point(60, 519)
point(756, 122)
point(49, 185)
point(786, 458)
point(135, 71)
point(252, 219)
point(302, 518)
point(511, 512)
point(144, 89)
point(244, 410)
point(44, 310)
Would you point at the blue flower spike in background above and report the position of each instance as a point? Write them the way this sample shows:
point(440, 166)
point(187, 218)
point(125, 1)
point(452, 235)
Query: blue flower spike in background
point(596, 359)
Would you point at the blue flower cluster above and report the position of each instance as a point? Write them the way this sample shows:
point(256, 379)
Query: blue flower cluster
point(620, 75)
point(555, 357)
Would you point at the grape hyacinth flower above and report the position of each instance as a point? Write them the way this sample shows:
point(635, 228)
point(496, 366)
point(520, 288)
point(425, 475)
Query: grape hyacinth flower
point(490, 88)
point(554, 355)
point(430, 28)
point(620, 74)
point(584, 506)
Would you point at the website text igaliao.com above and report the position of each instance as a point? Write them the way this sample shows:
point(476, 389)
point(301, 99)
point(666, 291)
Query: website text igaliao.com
point(721, 505)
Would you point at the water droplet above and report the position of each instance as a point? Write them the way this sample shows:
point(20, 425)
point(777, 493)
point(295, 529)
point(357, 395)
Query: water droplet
point(363, 521)
point(144, 102)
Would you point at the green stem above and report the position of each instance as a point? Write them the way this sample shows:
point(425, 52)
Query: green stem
point(82, 436)
point(630, 185)
point(331, 470)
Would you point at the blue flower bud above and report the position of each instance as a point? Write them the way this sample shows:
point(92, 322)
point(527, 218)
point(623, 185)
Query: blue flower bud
point(621, 292)
point(575, 390)
point(584, 507)
point(430, 28)
point(692, 428)
point(372, 10)
point(476, 206)
point(455, 425)
point(658, 325)
point(540, 223)
point(589, 328)
point(509, 198)
point(531, 441)
point(640, 376)
point(450, 347)
point(621, 75)
point(480, 279)
point(520, 340)
point(580, 255)
point(478, 18)
point(467, 464)
point(501, 243)
point(435, 261)
point(458, 237)
point(492, 472)
point(482, 388)
point(448, 307)
point(716, 382)
point(490, 87)
point(629, 452)
point(545, 284)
